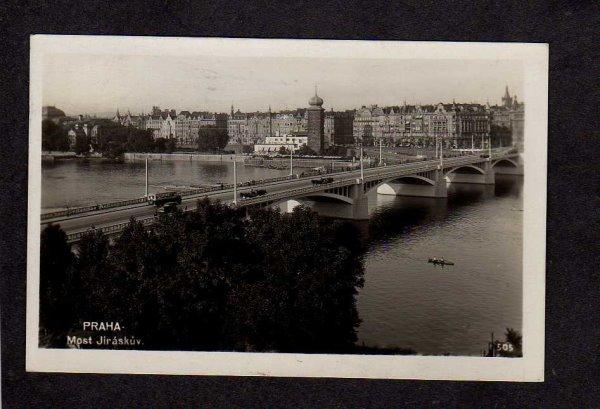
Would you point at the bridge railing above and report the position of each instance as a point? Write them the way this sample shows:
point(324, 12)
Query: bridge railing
point(141, 200)
point(292, 193)
point(108, 229)
point(391, 171)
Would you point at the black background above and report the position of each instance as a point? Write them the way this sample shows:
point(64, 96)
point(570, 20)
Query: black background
point(572, 327)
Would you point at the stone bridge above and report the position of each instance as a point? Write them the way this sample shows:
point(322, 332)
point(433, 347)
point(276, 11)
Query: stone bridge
point(424, 179)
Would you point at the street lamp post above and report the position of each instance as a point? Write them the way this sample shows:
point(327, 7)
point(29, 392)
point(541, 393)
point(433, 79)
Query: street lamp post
point(441, 152)
point(146, 176)
point(291, 161)
point(234, 181)
point(362, 171)
point(380, 157)
point(490, 146)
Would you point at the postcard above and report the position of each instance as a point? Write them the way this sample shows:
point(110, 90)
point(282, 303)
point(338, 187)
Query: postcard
point(297, 208)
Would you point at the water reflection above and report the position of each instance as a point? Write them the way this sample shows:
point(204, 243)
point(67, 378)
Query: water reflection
point(407, 302)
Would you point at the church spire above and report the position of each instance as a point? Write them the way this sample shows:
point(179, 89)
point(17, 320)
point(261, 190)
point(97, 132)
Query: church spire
point(506, 99)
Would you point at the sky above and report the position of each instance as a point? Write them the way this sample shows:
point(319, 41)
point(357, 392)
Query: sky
point(101, 84)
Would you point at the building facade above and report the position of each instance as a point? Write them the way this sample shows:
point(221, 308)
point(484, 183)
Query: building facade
point(182, 127)
point(273, 144)
point(508, 121)
point(248, 129)
point(254, 127)
point(458, 125)
point(339, 128)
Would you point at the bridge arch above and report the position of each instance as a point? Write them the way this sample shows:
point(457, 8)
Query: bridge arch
point(469, 168)
point(420, 180)
point(326, 195)
point(508, 162)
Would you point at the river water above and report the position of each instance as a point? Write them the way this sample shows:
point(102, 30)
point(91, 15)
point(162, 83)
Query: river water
point(406, 302)
point(75, 183)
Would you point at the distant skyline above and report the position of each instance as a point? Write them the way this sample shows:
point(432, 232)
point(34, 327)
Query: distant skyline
point(101, 84)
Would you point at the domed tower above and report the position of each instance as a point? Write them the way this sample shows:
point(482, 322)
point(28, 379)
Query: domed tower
point(316, 123)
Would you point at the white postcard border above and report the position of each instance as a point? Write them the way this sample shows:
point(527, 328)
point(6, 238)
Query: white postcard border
point(533, 57)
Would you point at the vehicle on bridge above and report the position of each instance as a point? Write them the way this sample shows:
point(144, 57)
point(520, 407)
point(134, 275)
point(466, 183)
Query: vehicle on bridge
point(322, 181)
point(170, 207)
point(162, 200)
point(252, 194)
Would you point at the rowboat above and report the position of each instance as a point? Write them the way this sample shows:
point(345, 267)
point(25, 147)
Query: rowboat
point(440, 261)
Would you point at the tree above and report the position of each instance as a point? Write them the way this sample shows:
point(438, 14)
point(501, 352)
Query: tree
point(170, 145)
point(54, 137)
point(215, 279)
point(56, 263)
point(514, 337)
point(212, 138)
point(305, 150)
point(139, 140)
point(116, 139)
point(82, 144)
point(284, 151)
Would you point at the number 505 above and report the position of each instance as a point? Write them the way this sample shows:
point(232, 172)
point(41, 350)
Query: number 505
point(505, 347)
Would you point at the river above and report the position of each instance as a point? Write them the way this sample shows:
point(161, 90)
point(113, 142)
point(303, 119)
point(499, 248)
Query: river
point(406, 302)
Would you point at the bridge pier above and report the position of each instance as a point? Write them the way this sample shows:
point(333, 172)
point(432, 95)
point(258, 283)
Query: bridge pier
point(438, 189)
point(360, 202)
point(475, 177)
point(289, 205)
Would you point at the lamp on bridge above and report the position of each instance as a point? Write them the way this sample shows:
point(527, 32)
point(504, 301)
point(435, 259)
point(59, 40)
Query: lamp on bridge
point(234, 180)
point(362, 172)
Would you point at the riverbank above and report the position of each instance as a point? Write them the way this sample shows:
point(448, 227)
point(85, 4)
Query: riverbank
point(51, 157)
point(284, 163)
point(188, 157)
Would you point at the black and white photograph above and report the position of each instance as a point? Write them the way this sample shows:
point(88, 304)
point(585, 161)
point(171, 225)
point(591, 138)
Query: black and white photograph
point(287, 207)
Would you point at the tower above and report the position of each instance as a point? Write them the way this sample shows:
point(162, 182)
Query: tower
point(270, 122)
point(506, 99)
point(316, 123)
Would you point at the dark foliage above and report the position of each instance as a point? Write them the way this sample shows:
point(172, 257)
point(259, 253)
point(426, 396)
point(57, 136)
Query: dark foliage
point(213, 279)
point(305, 150)
point(54, 137)
point(164, 145)
point(82, 144)
point(212, 138)
point(116, 139)
point(56, 279)
point(516, 339)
